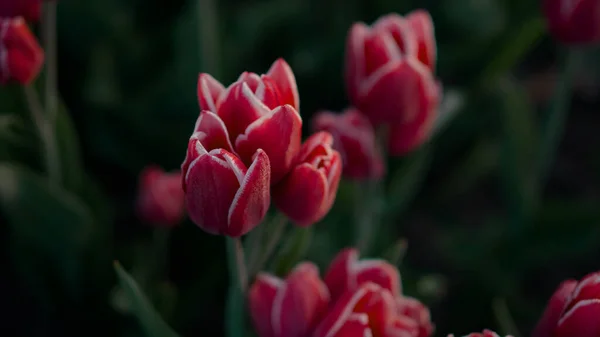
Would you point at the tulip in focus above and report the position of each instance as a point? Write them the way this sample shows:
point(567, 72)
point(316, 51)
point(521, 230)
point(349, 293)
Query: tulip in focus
point(21, 57)
point(290, 307)
point(347, 274)
point(223, 195)
point(160, 198)
point(390, 76)
point(29, 9)
point(258, 112)
point(573, 21)
point(354, 139)
point(573, 310)
point(307, 193)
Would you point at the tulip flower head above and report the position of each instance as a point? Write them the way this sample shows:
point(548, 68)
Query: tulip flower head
point(21, 57)
point(160, 198)
point(573, 22)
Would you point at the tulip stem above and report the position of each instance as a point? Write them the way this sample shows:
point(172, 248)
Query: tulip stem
point(279, 223)
point(365, 214)
point(45, 130)
point(49, 41)
point(554, 124)
point(504, 318)
point(237, 264)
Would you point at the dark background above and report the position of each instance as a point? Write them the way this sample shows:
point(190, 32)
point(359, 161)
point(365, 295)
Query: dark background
point(482, 237)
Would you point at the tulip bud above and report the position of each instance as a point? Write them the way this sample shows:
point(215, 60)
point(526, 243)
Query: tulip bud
point(367, 311)
point(347, 273)
point(160, 197)
point(354, 139)
point(554, 309)
point(254, 111)
point(582, 308)
point(29, 9)
point(573, 21)
point(21, 57)
point(289, 307)
point(389, 70)
point(224, 196)
point(307, 193)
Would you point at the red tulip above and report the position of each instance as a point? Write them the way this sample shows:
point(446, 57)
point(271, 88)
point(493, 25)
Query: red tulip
point(28, 9)
point(354, 139)
point(572, 310)
point(21, 57)
point(347, 273)
point(224, 196)
point(486, 333)
point(368, 311)
point(258, 112)
point(160, 198)
point(289, 307)
point(418, 312)
point(389, 69)
point(307, 193)
point(573, 21)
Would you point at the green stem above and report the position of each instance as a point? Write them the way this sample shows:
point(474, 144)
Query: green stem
point(46, 133)
point(49, 40)
point(365, 213)
point(505, 320)
point(237, 264)
point(554, 124)
point(208, 36)
point(235, 308)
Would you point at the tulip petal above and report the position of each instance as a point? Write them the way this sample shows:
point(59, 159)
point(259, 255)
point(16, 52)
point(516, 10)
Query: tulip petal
point(301, 303)
point(194, 150)
point(209, 91)
point(379, 272)
point(239, 108)
point(338, 277)
point(422, 26)
point(211, 186)
point(212, 132)
point(261, 298)
point(283, 77)
point(588, 287)
point(581, 320)
point(380, 49)
point(355, 59)
point(278, 134)
point(357, 325)
point(554, 309)
point(251, 202)
point(400, 30)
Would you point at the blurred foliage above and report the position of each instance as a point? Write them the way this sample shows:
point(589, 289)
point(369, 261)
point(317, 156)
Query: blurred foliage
point(478, 227)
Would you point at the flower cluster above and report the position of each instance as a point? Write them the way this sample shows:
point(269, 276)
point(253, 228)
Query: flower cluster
point(247, 146)
point(355, 298)
point(21, 57)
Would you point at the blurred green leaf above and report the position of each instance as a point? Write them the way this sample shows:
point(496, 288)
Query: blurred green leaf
point(151, 322)
point(396, 252)
point(294, 249)
point(56, 223)
point(68, 150)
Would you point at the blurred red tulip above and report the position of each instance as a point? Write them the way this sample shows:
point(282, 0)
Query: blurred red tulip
point(30, 10)
point(307, 193)
point(418, 312)
point(160, 197)
point(573, 310)
point(256, 111)
point(290, 307)
point(367, 311)
point(354, 139)
point(573, 21)
point(21, 57)
point(224, 196)
point(346, 273)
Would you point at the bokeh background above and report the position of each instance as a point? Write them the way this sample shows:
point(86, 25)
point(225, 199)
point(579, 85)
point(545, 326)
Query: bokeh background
point(486, 244)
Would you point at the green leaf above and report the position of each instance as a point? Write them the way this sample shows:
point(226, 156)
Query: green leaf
point(150, 321)
point(69, 152)
point(48, 218)
point(294, 249)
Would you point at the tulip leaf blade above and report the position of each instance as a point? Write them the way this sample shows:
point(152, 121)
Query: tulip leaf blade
point(148, 318)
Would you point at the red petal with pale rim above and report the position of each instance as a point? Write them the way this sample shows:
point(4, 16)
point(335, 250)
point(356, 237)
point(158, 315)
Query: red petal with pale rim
point(554, 309)
point(251, 202)
point(400, 30)
point(338, 277)
point(379, 272)
point(194, 150)
point(260, 299)
point(418, 313)
point(581, 320)
point(211, 185)
point(301, 303)
point(587, 288)
point(283, 77)
point(380, 49)
point(209, 91)
point(422, 27)
point(239, 108)
point(279, 134)
point(212, 132)
point(357, 325)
